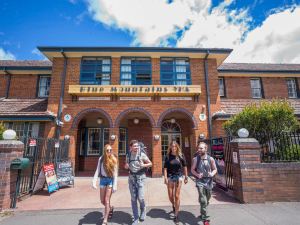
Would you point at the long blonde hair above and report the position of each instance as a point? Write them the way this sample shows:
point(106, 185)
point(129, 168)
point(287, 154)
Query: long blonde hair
point(110, 162)
point(178, 152)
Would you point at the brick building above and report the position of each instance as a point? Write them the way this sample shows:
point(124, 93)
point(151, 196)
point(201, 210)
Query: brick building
point(112, 95)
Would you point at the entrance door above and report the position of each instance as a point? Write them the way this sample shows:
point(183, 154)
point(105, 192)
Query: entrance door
point(94, 141)
point(170, 132)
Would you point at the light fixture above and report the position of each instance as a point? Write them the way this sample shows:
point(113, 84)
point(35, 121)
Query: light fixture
point(99, 120)
point(112, 137)
point(201, 136)
point(136, 120)
point(172, 120)
point(9, 135)
point(156, 137)
point(243, 133)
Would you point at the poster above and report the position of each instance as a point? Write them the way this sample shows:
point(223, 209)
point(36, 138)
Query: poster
point(50, 177)
point(64, 173)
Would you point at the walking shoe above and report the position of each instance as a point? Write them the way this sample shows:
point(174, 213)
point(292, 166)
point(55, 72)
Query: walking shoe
point(135, 222)
point(206, 222)
point(143, 214)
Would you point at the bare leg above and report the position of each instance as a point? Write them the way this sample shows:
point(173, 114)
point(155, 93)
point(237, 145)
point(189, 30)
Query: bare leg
point(171, 186)
point(108, 193)
point(177, 196)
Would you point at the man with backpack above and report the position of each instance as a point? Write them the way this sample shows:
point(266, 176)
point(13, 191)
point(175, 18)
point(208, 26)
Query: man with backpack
point(137, 163)
point(204, 169)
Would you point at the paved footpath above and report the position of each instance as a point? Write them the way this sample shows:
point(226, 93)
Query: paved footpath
point(228, 214)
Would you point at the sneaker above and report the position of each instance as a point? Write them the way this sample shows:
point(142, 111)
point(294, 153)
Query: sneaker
point(206, 222)
point(143, 214)
point(135, 222)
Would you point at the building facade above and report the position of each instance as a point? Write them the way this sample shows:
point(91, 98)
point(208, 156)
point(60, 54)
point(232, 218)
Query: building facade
point(113, 95)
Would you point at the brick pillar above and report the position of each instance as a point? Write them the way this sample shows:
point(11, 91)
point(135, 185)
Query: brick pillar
point(247, 179)
point(9, 150)
point(156, 153)
point(114, 143)
point(72, 147)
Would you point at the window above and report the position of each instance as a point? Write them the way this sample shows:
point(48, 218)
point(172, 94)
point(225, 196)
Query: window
point(23, 129)
point(95, 70)
point(135, 71)
point(222, 87)
point(292, 87)
point(44, 86)
point(122, 141)
point(256, 88)
point(175, 71)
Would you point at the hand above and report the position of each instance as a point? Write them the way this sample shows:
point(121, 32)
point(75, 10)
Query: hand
point(94, 185)
point(142, 164)
point(166, 181)
point(200, 175)
point(114, 190)
point(186, 180)
point(210, 174)
point(126, 166)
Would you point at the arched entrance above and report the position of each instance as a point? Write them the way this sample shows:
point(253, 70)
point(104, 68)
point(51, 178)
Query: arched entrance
point(134, 124)
point(93, 129)
point(177, 124)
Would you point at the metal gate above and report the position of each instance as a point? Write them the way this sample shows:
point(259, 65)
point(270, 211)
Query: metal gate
point(40, 151)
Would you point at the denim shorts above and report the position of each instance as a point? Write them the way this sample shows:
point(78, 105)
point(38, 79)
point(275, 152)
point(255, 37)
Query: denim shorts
point(106, 181)
point(175, 178)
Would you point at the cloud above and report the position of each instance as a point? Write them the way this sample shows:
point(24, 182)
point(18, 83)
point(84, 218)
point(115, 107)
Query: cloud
point(195, 23)
point(275, 41)
point(39, 54)
point(6, 55)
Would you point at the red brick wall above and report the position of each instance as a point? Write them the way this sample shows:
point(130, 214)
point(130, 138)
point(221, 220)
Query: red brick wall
point(23, 86)
point(3, 81)
point(217, 130)
point(275, 87)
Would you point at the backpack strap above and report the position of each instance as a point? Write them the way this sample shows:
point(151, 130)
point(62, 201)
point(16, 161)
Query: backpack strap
point(198, 162)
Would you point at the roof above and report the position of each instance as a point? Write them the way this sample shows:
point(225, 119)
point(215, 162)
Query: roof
point(259, 67)
point(11, 108)
point(25, 63)
point(230, 107)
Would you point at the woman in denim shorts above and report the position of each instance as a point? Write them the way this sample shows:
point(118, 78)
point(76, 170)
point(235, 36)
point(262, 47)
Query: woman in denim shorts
point(107, 170)
point(174, 169)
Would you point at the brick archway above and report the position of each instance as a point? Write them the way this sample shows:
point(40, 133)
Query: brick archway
point(181, 110)
point(80, 115)
point(135, 109)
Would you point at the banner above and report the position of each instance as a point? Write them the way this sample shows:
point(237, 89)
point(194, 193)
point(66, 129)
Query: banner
point(51, 180)
point(64, 173)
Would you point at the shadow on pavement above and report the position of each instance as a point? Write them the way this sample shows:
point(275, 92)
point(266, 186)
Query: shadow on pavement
point(91, 218)
point(120, 217)
point(159, 213)
point(187, 218)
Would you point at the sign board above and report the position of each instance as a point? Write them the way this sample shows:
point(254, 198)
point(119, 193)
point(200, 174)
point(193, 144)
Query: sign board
point(32, 142)
point(135, 98)
point(176, 98)
point(67, 117)
point(202, 117)
point(64, 173)
point(235, 157)
point(94, 98)
point(50, 177)
point(39, 184)
point(56, 145)
point(134, 90)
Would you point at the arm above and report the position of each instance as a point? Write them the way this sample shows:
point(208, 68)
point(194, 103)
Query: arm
point(185, 174)
point(213, 167)
point(115, 183)
point(126, 166)
point(146, 162)
point(165, 176)
point(193, 168)
point(96, 174)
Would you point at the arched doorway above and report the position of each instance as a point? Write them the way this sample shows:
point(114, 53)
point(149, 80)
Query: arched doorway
point(170, 131)
point(93, 129)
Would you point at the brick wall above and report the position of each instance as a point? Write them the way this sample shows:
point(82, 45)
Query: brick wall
point(3, 82)
point(23, 86)
point(217, 130)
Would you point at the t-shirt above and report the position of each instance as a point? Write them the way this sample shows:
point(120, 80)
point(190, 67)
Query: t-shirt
point(135, 161)
point(174, 165)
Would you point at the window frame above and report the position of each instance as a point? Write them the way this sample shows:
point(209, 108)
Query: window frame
point(95, 82)
point(224, 87)
point(261, 87)
point(174, 73)
point(48, 76)
point(133, 73)
point(126, 141)
point(296, 87)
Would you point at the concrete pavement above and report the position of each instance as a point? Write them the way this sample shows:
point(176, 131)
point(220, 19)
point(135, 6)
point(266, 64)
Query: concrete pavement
point(228, 214)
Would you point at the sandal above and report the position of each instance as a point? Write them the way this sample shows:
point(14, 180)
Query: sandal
point(104, 223)
point(111, 212)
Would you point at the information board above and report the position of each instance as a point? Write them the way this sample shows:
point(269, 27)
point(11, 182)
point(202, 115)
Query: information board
point(64, 173)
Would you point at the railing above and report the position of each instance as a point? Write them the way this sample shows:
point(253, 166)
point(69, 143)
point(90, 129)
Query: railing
point(279, 146)
point(40, 151)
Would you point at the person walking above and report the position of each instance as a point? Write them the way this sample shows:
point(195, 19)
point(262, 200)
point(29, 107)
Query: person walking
point(137, 163)
point(174, 168)
point(107, 170)
point(204, 169)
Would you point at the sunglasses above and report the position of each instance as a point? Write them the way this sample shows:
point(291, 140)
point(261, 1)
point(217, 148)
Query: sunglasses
point(108, 150)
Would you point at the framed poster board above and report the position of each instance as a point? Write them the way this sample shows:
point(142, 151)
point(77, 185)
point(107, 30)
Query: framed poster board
point(64, 173)
point(50, 175)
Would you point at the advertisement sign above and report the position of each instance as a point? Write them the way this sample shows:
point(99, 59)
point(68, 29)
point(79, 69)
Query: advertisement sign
point(32, 142)
point(64, 174)
point(50, 177)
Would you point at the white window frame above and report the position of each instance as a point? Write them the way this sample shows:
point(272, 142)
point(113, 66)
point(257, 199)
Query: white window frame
point(253, 88)
point(221, 87)
point(292, 88)
point(124, 142)
point(46, 87)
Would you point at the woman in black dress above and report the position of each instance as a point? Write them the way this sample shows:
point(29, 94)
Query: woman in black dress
point(175, 171)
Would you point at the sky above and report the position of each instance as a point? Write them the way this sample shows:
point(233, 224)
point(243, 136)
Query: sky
point(261, 31)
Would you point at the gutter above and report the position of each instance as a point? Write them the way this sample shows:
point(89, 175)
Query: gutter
point(207, 95)
point(61, 98)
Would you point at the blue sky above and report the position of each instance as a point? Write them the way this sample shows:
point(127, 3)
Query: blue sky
point(237, 24)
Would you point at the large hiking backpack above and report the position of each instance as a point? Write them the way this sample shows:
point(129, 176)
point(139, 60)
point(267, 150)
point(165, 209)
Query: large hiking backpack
point(142, 149)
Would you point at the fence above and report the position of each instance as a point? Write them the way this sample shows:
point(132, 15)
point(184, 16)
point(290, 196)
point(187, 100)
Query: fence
point(40, 151)
point(279, 146)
